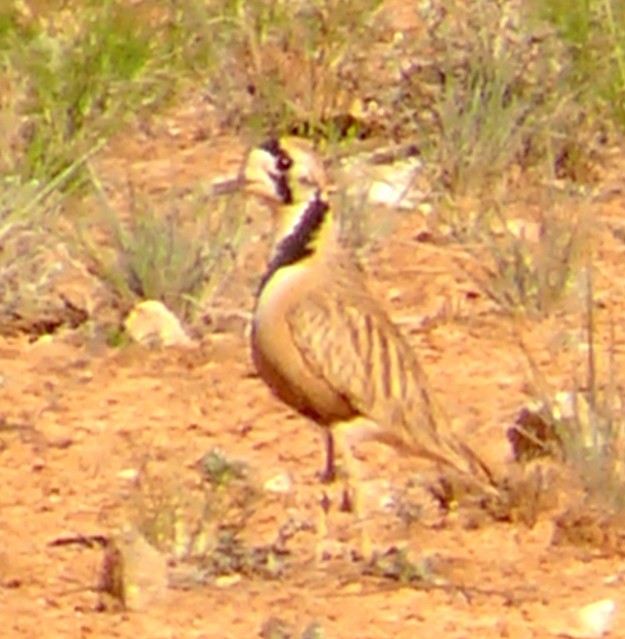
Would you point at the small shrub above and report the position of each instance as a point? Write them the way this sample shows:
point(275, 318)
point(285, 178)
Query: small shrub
point(32, 260)
point(179, 255)
point(492, 99)
point(587, 422)
point(532, 275)
point(524, 265)
point(200, 521)
point(191, 521)
point(289, 68)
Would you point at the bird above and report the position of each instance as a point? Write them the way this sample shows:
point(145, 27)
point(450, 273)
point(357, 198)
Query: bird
point(320, 339)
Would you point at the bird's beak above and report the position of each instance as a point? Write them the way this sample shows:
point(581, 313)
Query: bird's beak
point(228, 186)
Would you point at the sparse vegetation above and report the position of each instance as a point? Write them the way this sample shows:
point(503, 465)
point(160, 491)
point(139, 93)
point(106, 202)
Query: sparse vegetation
point(81, 73)
point(512, 113)
point(510, 96)
point(528, 266)
point(74, 76)
point(32, 260)
point(584, 424)
point(200, 523)
point(177, 251)
point(593, 32)
point(296, 62)
point(507, 93)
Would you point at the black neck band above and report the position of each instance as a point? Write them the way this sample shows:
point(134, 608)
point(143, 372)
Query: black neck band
point(297, 245)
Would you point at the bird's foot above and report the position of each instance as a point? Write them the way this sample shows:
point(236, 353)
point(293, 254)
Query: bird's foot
point(327, 475)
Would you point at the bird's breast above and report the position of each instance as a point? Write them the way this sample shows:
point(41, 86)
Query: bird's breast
point(277, 357)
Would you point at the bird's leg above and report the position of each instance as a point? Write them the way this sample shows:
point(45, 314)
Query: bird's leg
point(351, 495)
point(328, 474)
point(325, 546)
point(340, 441)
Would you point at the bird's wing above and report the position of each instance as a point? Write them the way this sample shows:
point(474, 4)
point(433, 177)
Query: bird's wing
point(358, 351)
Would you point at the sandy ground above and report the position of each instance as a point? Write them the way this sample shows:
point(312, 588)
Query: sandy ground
point(80, 421)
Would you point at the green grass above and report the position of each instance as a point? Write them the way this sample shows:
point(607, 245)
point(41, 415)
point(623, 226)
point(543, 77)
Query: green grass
point(177, 250)
point(77, 76)
point(594, 33)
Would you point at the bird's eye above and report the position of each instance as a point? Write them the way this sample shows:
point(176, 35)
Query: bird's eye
point(284, 163)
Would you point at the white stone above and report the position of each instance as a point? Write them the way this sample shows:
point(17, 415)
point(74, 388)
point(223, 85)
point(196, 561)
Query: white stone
point(589, 622)
point(151, 323)
point(281, 483)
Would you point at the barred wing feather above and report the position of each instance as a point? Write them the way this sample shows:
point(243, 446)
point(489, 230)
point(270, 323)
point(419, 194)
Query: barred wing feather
point(358, 351)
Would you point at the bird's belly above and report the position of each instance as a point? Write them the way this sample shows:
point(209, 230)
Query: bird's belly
point(283, 368)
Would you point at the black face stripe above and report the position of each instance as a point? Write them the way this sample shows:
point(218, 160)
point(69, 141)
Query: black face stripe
point(297, 245)
point(283, 189)
point(283, 164)
point(283, 160)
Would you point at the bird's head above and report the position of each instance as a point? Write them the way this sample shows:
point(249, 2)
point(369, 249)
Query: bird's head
point(284, 172)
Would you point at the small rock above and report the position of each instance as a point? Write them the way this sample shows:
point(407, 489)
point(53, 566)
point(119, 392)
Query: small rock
point(133, 572)
point(275, 628)
point(391, 186)
point(281, 484)
point(225, 581)
point(314, 630)
point(589, 622)
point(614, 579)
point(151, 323)
point(129, 474)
